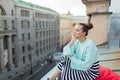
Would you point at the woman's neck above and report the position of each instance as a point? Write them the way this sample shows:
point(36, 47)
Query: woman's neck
point(82, 39)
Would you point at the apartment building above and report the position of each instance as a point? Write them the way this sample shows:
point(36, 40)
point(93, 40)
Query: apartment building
point(29, 33)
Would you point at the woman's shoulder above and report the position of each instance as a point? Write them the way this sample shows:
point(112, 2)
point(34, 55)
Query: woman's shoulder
point(92, 45)
point(90, 42)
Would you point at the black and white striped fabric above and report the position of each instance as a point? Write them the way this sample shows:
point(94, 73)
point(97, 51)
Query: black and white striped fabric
point(71, 74)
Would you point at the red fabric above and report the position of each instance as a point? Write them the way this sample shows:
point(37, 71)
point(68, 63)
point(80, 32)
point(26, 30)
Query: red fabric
point(107, 74)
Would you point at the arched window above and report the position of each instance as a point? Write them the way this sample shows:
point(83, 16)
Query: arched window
point(2, 11)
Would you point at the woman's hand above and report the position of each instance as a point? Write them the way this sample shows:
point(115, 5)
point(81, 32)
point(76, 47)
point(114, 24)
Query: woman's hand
point(70, 56)
point(72, 40)
point(73, 37)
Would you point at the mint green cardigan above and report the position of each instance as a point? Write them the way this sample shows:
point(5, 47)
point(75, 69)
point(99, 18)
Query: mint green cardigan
point(82, 54)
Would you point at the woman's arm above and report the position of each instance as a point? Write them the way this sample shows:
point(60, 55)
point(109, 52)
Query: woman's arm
point(55, 74)
point(58, 69)
point(69, 49)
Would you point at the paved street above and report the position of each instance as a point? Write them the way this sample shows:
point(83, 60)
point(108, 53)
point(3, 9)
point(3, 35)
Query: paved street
point(39, 74)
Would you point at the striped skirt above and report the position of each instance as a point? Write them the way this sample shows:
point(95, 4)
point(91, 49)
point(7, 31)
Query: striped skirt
point(71, 74)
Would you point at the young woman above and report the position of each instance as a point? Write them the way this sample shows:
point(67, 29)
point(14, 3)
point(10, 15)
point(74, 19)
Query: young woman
point(81, 57)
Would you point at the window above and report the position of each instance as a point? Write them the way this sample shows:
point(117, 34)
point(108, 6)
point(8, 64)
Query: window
point(15, 61)
point(13, 38)
point(28, 24)
point(36, 24)
point(13, 24)
point(47, 33)
point(22, 24)
point(12, 13)
point(44, 24)
point(5, 42)
point(38, 15)
point(40, 24)
point(24, 59)
point(44, 33)
point(29, 56)
point(28, 36)
point(13, 51)
point(41, 50)
point(25, 13)
point(40, 43)
point(2, 11)
point(36, 44)
point(36, 34)
point(5, 24)
point(37, 53)
point(40, 34)
point(23, 49)
point(23, 37)
point(29, 48)
point(44, 42)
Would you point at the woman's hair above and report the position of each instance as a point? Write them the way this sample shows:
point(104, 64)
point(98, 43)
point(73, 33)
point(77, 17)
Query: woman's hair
point(86, 27)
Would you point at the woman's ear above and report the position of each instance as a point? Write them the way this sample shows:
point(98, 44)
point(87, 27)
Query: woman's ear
point(84, 33)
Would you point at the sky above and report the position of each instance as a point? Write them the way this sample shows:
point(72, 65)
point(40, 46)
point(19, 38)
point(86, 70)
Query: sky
point(115, 6)
point(76, 7)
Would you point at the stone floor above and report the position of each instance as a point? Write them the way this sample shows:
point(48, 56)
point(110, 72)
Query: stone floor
point(110, 58)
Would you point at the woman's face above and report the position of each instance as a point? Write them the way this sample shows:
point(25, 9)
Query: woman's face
point(78, 32)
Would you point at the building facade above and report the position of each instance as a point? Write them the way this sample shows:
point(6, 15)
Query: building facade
point(79, 19)
point(114, 31)
point(28, 35)
point(66, 26)
point(114, 25)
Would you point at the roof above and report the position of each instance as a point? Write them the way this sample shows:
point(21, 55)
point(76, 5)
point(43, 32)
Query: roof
point(34, 6)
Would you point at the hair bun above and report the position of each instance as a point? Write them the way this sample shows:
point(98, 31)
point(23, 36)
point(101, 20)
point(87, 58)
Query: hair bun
point(90, 26)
